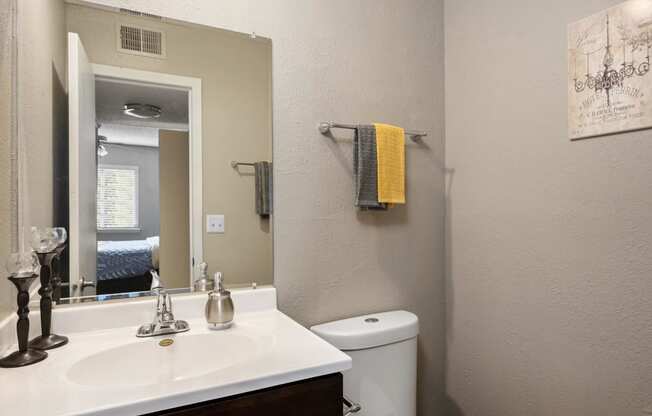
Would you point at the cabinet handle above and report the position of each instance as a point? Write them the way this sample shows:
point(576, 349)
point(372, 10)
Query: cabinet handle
point(350, 407)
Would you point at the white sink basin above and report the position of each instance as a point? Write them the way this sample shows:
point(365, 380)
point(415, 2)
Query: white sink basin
point(153, 361)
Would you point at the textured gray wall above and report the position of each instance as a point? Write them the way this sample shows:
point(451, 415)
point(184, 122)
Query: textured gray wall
point(549, 241)
point(350, 61)
point(147, 160)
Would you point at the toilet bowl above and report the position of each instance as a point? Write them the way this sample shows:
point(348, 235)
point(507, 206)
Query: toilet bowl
point(383, 347)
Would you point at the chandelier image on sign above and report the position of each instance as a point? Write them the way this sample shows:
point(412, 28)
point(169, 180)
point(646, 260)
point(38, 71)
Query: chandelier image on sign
point(607, 76)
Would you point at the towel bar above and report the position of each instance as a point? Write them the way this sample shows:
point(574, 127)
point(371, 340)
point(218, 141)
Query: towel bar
point(235, 164)
point(326, 126)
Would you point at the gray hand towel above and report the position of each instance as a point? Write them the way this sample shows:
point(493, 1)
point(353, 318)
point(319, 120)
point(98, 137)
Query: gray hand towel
point(365, 171)
point(264, 188)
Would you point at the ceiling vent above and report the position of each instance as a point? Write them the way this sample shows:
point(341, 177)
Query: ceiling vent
point(142, 41)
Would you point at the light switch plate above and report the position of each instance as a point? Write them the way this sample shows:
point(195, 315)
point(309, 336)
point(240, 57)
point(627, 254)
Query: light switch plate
point(215, 224)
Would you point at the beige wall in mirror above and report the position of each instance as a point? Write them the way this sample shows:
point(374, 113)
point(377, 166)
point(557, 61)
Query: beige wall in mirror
point(173, 155)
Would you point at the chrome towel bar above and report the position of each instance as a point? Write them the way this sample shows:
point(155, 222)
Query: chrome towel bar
point(235, 164)
point(326, 126)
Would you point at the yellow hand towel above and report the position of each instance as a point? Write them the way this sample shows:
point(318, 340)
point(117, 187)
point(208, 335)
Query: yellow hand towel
point(390, 150)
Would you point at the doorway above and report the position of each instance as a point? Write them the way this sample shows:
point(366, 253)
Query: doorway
point(142, 175)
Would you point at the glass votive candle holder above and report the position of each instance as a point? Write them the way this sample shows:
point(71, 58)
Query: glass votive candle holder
point(22, 265)
point(44, 240)
point(62, 235)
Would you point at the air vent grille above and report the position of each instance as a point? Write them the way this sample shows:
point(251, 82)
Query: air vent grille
point(141, 41)
point(152, 42)
point(131, 38)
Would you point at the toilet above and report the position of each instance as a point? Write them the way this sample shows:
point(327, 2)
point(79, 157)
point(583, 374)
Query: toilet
point(383, 347)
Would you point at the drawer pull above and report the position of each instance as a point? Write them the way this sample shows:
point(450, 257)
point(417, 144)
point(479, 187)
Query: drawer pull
point(350, 407)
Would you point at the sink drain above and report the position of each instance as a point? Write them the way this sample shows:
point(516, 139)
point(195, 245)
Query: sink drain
point(166, 342)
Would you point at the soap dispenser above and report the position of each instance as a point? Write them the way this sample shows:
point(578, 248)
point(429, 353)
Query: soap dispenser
point(219, 307)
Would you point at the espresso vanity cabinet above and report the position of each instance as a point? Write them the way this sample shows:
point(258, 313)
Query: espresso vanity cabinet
point(321, 396)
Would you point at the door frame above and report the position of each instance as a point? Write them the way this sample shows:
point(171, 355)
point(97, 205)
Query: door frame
point(82, 188)
point(193, 86)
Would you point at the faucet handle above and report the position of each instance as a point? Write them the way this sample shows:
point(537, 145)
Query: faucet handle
point(167, 302)
point(161, 299)
point(167, 315)
point(160, 293)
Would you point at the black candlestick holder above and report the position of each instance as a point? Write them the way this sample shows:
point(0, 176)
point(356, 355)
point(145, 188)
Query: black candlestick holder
point(25, 355)
point(56, 273)
point(47, 340)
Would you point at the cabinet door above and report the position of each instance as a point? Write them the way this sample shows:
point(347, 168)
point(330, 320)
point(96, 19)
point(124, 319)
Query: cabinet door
point(320, 396)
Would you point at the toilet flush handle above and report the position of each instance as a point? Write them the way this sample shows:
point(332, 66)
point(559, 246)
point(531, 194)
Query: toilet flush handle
point(350, 407)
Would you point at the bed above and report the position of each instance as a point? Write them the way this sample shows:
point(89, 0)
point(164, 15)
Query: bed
point(124, 266)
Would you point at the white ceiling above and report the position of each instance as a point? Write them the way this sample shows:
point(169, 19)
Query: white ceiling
point(112, 95)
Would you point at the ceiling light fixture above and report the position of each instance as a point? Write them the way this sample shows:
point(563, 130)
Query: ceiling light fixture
point(143, 111)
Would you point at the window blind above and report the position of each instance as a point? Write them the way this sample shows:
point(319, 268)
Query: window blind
point(117, 197)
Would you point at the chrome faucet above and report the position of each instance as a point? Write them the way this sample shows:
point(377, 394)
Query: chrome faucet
point(164, 322)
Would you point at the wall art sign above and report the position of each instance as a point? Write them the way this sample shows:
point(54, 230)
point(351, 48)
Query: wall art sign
point(609, 79)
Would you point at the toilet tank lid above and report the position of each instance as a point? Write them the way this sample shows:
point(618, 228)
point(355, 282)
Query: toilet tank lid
point(369, 331)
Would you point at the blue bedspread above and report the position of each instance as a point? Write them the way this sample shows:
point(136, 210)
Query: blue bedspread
point(120, 259)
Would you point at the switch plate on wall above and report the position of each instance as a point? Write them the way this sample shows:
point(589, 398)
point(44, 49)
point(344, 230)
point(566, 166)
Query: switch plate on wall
point(215, 224)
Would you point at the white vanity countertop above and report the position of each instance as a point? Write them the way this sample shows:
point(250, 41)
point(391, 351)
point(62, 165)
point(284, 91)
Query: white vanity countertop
point(283, 352)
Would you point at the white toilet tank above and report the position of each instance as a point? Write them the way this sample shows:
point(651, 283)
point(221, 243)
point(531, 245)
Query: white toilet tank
point(383, 347)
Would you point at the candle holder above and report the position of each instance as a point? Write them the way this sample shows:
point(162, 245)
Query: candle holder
point(44, 242)
point(46, 340)
point(22, 268)
point(62, 236)
point(56, 274)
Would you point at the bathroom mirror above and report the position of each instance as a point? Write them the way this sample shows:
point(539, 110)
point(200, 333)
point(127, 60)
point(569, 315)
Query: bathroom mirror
point(166, 163)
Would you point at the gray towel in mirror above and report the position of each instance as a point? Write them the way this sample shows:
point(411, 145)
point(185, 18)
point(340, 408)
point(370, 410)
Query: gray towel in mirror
point(365, 171)
point(264, 188)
